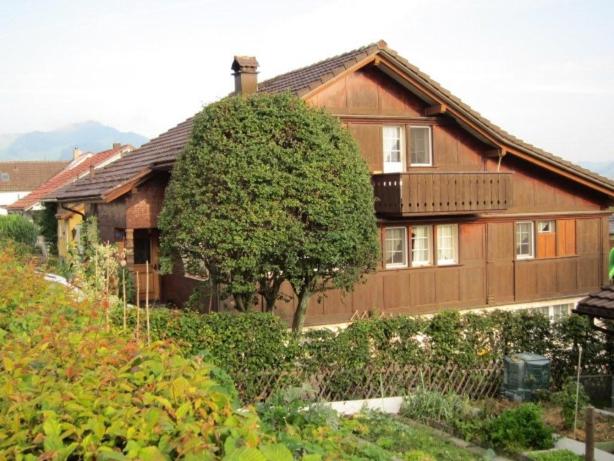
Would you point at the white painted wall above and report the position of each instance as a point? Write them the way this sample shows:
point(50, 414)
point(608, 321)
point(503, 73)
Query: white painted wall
point(6, 198)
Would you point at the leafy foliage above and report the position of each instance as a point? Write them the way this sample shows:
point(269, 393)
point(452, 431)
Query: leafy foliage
point(70, 390)
point(18, 229)
point(519, 429)
point(269, 190)
point(555, 455)
point(48, 225)
point(566, 399)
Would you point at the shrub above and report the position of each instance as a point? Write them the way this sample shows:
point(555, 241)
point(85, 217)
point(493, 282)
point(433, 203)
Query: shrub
point(72, 390)
point(556, 455)
point(18, 229)
point(566, 399)
point(519, 429)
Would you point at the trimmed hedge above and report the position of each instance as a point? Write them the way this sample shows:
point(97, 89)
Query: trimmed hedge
point(250, 344)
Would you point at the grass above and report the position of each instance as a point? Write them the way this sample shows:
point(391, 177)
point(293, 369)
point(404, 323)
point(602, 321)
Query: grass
point(555, 455)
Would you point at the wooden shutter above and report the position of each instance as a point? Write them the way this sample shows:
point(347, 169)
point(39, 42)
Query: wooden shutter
point(546, 244)
point(566, 237)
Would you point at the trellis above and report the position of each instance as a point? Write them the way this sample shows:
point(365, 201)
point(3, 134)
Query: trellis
point(333, 384)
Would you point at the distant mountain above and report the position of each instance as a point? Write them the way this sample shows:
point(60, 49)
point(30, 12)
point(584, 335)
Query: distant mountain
point(603, 168)
point(59, 144)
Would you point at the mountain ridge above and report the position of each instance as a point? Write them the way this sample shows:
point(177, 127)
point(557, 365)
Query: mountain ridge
point(58, 144)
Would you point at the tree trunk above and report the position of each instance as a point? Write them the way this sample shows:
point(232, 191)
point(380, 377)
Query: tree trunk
point(270, 292)
point(301, 310)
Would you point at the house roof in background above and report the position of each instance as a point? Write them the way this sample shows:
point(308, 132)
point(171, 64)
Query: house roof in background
point(166, 147)
point(27, 176)
point(69, 175)
point(598, 304)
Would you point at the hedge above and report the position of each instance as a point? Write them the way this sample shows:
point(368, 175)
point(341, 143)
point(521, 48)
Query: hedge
point(19, 229)
point(250, 344)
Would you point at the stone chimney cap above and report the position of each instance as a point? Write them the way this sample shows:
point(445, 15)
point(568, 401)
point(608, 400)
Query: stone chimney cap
point(242, 64)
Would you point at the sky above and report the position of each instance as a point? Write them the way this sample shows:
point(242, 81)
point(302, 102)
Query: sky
point(541, 69)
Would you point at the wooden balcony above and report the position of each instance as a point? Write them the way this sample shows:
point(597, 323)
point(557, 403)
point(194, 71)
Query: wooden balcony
point(410, 194)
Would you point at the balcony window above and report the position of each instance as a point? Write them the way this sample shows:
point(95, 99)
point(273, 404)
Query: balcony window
point(395, 247)
point(393, 149)
point(421, 244)
point(524, 240)
point(447, 244)
point(421, 152)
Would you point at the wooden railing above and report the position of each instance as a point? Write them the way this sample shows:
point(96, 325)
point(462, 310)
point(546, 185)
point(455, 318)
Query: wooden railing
point(427, 193)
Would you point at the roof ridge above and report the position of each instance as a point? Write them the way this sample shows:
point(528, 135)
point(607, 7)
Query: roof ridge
point(377, 44)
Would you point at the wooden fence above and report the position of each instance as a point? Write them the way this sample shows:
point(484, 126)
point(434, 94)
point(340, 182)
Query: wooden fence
point(333, 384)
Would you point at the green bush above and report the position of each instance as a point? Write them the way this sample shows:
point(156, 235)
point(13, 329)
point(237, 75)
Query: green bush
point(73, 390)
point(519, 429)
point(566, 399)
point(18, 229)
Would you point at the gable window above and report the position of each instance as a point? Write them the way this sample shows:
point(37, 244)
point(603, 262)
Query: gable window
point(420, 152)
point(395, 247)
point(524, 240)
point(421, 245)
point(447, 244)
point(393, 148)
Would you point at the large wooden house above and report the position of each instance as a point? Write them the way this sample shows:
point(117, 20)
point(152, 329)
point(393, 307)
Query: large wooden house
point(470, 216)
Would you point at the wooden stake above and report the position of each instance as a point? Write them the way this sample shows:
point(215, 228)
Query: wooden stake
point(589, 430)
point(147, 301)
point(106, 299)
point(138, 307)
point(575, 416)
point(124, 296)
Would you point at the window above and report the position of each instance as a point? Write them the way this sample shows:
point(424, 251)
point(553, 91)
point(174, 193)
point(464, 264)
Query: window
point(421, 146)
point(395, 247)
point(555, 312)
point(393, 149)
point(421, 237)
point(447, 244)
point(142, 247)
point(546, 239)
point(4, 177)
point(524, 240)
point(545, 226)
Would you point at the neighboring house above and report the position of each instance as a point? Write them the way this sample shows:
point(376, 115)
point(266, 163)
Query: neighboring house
point(69, 217)
point(18, 179)
point(611, 230)
point(470, 217)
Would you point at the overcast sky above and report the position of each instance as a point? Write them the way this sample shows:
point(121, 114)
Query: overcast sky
point(541, 69)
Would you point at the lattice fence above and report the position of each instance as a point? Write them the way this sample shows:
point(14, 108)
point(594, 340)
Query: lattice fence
point(332, 384)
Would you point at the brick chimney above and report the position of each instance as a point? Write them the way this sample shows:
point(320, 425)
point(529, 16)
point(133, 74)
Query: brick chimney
point(245, 71)
point(117, 145)
point(76, 153)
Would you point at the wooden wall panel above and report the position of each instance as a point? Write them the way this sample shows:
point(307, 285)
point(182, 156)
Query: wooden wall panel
point(588, 272)
point(567, 275)
point(500, 241)
point(447, 285)
point(422, 283)
point(369, 138)
point(588, 236)
point(471, 242)
point(546, 277)
point(566, 237)
point(472, 286)
point(396, 289)
point(500, 283)
point(525, 280)
point(362, 93)
point(368, 294)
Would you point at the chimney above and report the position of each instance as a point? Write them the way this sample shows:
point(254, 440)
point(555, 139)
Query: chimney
point(76, 153)
point(92, 172)
point(246, 75)
point(117, 145)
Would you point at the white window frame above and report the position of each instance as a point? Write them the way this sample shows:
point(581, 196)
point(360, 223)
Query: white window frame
point(430, 149)
point(404, 263)
point(454, 242)
point(532, 242)
point(550, 222)
point(394, 167)
point(429, 235)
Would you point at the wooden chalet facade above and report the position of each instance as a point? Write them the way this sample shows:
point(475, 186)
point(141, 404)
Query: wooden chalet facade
point(470, 217)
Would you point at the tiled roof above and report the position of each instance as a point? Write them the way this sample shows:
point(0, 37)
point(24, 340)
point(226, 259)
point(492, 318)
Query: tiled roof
point(26, 176)
point(67, 176)
point(599, 304)
point(167, 146)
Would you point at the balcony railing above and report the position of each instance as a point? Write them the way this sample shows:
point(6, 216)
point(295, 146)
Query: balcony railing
point(403, 194)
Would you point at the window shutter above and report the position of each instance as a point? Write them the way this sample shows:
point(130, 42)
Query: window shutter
point(566, 237)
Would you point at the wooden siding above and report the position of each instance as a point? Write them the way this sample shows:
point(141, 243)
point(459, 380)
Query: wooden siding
point(405, 194)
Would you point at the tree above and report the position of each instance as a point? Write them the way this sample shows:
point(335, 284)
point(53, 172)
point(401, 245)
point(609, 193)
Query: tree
point(271, 190)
